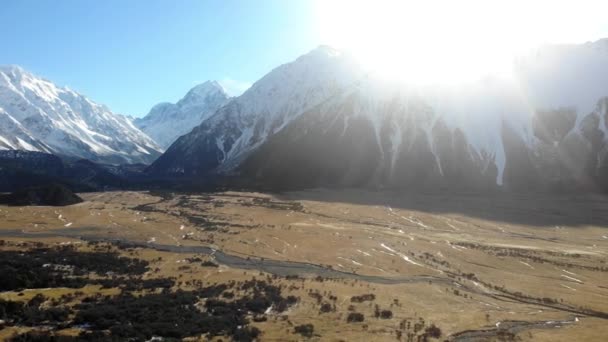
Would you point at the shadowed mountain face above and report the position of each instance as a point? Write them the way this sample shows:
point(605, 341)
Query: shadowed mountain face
point(568, 154)
point(21, 169)
point(337, 145)
point(341, 127)
point(226, 138)
point(53, 194)
point(333, 146)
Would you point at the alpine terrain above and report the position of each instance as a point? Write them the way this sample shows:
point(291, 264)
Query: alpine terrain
point(322, 120)
point(435, 179)
point(37, 115)
point(227, 137)
point(167, 121)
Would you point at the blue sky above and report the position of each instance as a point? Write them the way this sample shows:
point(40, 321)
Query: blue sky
point(133, 54)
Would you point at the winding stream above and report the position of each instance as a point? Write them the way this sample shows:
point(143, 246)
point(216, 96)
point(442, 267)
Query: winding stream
point(506, 328)
point(277, 267)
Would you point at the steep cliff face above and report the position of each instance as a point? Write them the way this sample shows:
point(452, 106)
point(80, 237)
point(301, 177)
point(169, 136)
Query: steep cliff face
point(225, 139)
point(570, 154)
point(372, 136)
point(402, 143)
point(321, 121)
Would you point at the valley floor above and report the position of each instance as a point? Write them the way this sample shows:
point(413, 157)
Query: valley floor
point(416, 266)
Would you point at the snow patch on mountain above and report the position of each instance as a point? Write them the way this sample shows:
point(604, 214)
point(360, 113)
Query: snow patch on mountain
point(19, 137)
point(37, 115)
point(479, 132)
point(222, 141)
point(167, 121)
point(284, 93)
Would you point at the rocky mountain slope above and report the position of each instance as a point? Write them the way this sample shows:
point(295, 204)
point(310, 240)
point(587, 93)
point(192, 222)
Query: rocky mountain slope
point(244, 123)
point(168, 121)
point(401, 140)
point(21, 169)
point(320, 120)
point(37, 115)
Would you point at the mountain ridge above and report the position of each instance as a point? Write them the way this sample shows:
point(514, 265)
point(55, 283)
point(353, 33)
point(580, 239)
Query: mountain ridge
point(488, 134)
point(165, 122)
point(237, 128)
point(37, 115)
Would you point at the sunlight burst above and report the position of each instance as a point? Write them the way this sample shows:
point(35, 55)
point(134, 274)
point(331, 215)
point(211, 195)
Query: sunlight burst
point(449, 41)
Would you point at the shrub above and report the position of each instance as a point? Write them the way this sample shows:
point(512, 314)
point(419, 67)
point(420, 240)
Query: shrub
point(433, 331)
point(386, 314)
point(246, 334)
point(362, 298)
point(305, 330)
point(325, 307)
point(355, 317)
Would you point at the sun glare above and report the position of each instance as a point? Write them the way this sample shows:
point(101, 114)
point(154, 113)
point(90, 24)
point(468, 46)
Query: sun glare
point(449, 41)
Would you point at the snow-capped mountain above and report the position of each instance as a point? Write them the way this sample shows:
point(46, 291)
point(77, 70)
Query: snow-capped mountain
point(376, 133)
point(331, 124)
point(167, 121)
point(15, 136)
point(244, 123)
point(37, 115)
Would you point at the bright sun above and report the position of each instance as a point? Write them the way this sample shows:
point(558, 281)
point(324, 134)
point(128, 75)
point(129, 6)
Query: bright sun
point(451, 41)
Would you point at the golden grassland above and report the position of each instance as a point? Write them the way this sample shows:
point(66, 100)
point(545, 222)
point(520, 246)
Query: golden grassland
point(510, 244)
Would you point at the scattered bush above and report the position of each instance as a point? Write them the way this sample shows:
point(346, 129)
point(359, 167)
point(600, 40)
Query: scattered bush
point(355, 317)
point(386, 314)
point(175, 315)
point(61, 267)
point(37, 336)
point(31, 314)
point(246, 334)
point(362, 298)
point(306, 330)
point(433, 331)
point(325, 308)
point(208, 263)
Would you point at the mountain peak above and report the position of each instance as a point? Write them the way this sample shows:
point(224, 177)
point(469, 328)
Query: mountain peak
point(15, 73)
point(327, 50)
point(265, 108)
point(208, 86)
point(203, 91)
point(12, 68)
point(167, 121)
point(321, 52)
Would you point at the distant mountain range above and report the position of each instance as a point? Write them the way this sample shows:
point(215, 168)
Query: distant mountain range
point(225, 139)
point(167, 121)
point(322, 120)
point(37, 115)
